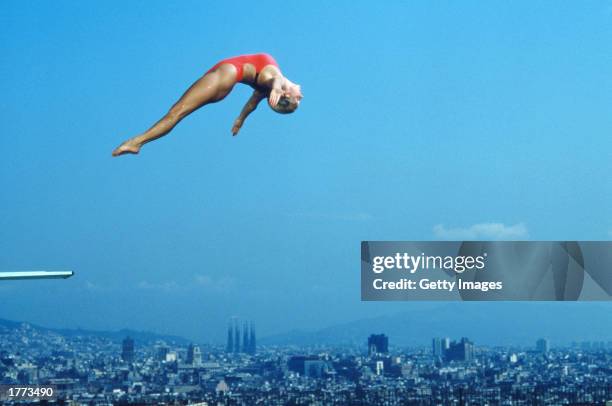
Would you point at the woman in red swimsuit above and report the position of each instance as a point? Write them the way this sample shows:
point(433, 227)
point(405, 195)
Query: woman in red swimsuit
point(260, 71)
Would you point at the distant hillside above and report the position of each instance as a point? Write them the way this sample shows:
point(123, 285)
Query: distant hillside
point(491, 323)
point(143, 337)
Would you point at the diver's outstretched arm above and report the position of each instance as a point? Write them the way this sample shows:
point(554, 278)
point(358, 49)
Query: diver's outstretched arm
point(272, 79)
point(276, 90)
point(248, 108)
point(211, 88)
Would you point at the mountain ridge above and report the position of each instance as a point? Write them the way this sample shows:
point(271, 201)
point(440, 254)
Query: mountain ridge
point(490, 323)
point(115, 335)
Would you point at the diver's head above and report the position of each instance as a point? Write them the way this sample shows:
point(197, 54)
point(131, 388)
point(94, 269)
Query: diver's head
point(290, 100)
point(286, 105)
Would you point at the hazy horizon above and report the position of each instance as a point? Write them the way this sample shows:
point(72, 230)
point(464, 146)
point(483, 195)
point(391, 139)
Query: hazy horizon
point(518, 316)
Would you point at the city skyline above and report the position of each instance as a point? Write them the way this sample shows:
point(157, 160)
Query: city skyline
point(99, 370)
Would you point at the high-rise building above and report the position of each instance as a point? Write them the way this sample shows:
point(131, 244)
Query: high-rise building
point(436, 345)
point(246, 338)
point(236, 337)
point(380, 367)
point(462, 350)
point(237, 344)
point(230, 338)
point(252, 341)
point(542, 345)
point(440, 346)
point(127, 350)
point(171, 356)
point(310, 366)
point(378, 344)
point(194, 355)
point(162, 351)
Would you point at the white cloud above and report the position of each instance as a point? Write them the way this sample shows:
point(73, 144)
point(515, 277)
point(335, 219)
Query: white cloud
point(203, 280)
point(221, 284)
point(348, 216)
point(482, 231)
point(89, 285)
point(199, 282)
point(100, 288)
point(169, 286)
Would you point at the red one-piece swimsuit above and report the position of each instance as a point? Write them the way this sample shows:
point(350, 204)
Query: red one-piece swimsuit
point(259, 61)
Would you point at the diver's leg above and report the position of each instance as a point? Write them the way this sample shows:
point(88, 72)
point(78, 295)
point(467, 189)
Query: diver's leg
point(212, 87)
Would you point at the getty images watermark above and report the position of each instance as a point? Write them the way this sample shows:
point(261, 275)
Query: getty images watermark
point(486, 270)
point(413, 263)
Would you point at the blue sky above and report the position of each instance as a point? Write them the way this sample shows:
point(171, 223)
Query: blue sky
point(421, 120)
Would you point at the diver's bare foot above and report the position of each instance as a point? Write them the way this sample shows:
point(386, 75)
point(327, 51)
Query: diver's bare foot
point(126, 148)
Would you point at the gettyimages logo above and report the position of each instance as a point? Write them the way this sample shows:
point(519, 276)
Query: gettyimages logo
point(412, 263)
point(486, 270)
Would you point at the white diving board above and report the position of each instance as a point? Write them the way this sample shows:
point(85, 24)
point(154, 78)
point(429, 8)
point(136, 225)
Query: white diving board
point(36, 275)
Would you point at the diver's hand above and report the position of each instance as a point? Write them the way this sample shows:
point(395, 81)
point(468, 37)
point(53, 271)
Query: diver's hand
point(237, 126)
point(275, 95)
